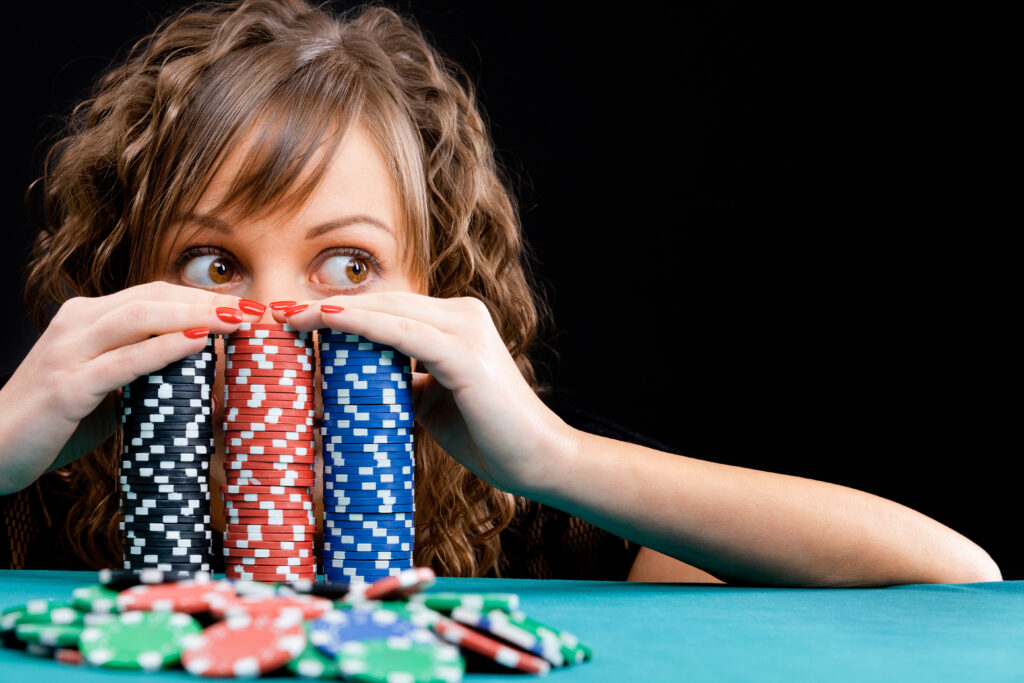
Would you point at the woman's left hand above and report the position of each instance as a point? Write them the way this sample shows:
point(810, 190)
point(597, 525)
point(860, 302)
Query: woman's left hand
point(472, 399)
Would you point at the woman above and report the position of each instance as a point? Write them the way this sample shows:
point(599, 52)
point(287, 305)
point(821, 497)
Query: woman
point(336, 169)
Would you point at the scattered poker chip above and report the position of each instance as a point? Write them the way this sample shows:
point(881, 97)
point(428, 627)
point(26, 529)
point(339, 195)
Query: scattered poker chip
point(307, 606)
point(481, 602)
point(334, 629)
point(138, 640)
point(49, 635)
point(400, 659)
point(312, 663)
point(191, 597)
point(96, 598)
point(500, 624)
point(460, 636)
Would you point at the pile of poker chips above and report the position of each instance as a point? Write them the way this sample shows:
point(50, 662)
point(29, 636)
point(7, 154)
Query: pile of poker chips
point(394, 629)
point(269, 454)
point(368, 458)
point(164, 467)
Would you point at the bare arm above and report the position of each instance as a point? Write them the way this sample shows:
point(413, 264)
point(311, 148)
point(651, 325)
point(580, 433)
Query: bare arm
point(748, 526)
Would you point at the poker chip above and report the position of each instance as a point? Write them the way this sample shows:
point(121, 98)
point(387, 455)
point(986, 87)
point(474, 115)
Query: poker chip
point(273, 457)
point(312, 663)
point(336, 628)
point(191, 597)
point(49, 635)
point(343, 523)
point(260, 497)
point(306, 606)
point(138, 640)
point(270, 574)
point(481, 602)
point(499, 624)
point(400, 659)
point(396, 450)
point(271, 413)
point(258, 363)
point(264, 490)
point(244, 646)
point(268, 403)
point(495, 650)
point(236, 373)
point(96, 598)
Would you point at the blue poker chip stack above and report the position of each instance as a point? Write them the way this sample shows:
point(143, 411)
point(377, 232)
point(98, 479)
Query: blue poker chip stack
point(164, 472)
point(368, 459)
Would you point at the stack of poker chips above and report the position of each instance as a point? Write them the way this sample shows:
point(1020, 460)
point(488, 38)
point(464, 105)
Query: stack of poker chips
point(269, 454)
point(164, 471)
point(368, 459)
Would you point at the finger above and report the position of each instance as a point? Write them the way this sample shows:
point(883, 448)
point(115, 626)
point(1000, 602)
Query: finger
point(125, 364)
point(158, 290)
point(135, 321)
point(444, 314)
point(439, 350)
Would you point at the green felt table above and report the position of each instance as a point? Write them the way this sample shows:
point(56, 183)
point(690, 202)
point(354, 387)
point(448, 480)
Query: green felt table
point(690, 632)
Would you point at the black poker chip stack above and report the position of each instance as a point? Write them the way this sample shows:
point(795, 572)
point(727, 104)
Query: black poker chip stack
point(164, 475)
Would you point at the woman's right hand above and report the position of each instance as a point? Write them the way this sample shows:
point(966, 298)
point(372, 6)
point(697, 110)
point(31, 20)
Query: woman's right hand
point(91, 348)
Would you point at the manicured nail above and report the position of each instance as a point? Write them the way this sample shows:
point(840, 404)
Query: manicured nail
point(251, 307)
point(197, 332)
point(328, 308)
point(289, 312)
point(229, 315)
point(281, 305)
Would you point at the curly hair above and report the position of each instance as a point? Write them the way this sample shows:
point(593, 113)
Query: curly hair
point(137, 155)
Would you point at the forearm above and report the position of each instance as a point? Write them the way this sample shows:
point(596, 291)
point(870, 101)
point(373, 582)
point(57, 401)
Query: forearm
point(754, 527)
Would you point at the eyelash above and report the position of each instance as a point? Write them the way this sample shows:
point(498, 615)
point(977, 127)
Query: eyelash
point(192, 252)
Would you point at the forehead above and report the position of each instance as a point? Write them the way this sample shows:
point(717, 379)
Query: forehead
point(355, 178)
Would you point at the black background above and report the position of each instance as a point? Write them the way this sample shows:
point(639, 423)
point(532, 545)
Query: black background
point(779, 241)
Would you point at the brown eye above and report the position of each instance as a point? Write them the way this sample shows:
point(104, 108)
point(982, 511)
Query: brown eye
point(221, 271)
point(344, 270)
point(209, 270)
point(357, 270)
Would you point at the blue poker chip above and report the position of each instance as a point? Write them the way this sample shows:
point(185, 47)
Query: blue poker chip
point(348, 487)
point(356, 536)
point(331, 508)
point(369, 545)
point(365, 388)
point(362, 373)
point(370, 522)
point(355, 418)
point(340, 558)
point(376, 400)
point(332, 631)
point(368, 424)
point(369, 449)
point(369, 471)
point(335, 576)
point(376, 564)
point(336, 437)
point(339, 478)
point(347, 464)
point(365, 430)
point(392, 409)
point(358, 496)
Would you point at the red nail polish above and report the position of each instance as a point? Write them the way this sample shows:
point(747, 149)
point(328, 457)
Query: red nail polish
point(229, 315)
point(329, 308)
point(289, 312)
point(281, 305)
point(197, 332)
point(251, 307)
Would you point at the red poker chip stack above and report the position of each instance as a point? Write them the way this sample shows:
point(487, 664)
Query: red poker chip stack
point(270, 454)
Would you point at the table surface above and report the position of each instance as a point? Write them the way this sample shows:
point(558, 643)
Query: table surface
point(704, 632)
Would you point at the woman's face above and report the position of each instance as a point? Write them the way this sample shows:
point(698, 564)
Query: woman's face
point(347, 238)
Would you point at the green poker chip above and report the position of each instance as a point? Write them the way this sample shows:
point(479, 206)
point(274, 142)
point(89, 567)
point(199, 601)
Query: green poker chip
point(572, 649)
point(400, 659)
point(311, 662)
point(97, 598)
point(50, 635)
point(44, 611)
point(481, 602)
point(138, 640)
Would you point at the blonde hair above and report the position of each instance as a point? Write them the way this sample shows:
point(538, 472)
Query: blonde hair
point(138, 154)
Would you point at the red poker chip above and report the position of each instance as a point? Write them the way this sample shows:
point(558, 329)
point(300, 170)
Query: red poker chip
point(298, 468)
point(291, 424)
point(309, 459)
point(255, 362)
point(268, 403)
point(304, 497)
point(267, 540)
point(245, 646)
point(271, 412)
point(266, 563)
point(255, 388)
point(271, 569)
point(272, 477)
point(308, 606)
point(237, 534)
point(297, 516)
point(235, 395)
point(286, 527)
point(264, 490)
point(282, 349)
point(268, 372)
point(267, 327)
point(267, 480)
point(268, 336)
point(241, 441)
point(269, 577)
point(275, 451)
point(475, 641)
point(268, 505)
point(270, 552)
point(408, 582)
point(191, 596)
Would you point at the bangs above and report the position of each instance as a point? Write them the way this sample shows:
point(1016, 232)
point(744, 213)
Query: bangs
point(284, 107)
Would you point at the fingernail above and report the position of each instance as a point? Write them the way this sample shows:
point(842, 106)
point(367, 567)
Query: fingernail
point(281, 305)
point(328, 308)
point(289, 312)
point(251, 307)
point(197, 332)
point(229, 315)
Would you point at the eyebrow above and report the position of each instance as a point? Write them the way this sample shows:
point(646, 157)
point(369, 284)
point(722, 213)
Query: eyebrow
point(218, 225)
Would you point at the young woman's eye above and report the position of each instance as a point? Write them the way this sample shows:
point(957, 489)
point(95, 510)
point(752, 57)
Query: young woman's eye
point(209, 270)
point(344, 270)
